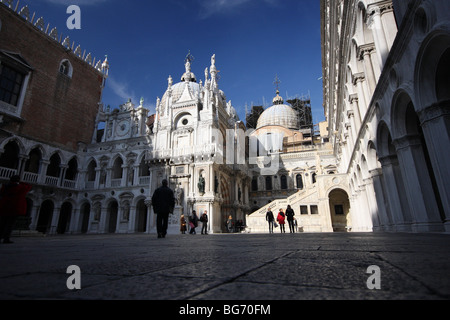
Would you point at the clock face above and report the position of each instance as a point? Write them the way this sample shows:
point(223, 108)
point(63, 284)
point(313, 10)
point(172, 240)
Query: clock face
point(123, 127)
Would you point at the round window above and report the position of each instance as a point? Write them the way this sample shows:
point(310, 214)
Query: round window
point(185, 122)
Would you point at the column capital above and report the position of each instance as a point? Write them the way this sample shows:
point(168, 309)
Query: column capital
point(407, 141)
point(436, 110)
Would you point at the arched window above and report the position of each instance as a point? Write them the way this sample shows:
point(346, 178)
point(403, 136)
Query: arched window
point(91, 171)
point(72, 170)
point(117, 170)
point(269, 183)
point(34, 160)
point(284, 183)
point(66, 68)
point(54, 167)
point(144, 170)
point(255, 184)
point(10, 157)
point(313, 177)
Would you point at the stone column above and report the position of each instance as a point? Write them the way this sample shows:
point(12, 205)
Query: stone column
point(376, 26)
point(418, 186)
point(362, 103)
point(396, 205)
point(55, 220)
point(74, 226)
point(382, 205)
point(435, 122)
point(365, 52)
point(34, 215)
point(355, 107)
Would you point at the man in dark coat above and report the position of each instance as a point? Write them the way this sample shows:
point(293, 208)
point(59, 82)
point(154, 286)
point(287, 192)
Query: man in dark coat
point(163, 202)
point(12, 205)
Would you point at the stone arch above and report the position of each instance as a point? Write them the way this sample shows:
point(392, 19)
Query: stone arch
point(65, 215)
point(141, 215)
point(65, 68)
point(9, 157)
point(85, 215)
point(401, 103)
point(431, 82)
point(112, 215)
point(339, 209)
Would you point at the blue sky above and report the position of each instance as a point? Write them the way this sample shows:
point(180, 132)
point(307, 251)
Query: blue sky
point(146, 41)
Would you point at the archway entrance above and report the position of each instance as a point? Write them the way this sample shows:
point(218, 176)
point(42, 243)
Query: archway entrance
point(111, 223)
point(141, 216)
point(339, 209)
point(45, 216)
point(64, 218)
point(85, 214)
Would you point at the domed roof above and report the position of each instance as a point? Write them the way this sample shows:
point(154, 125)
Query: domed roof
point(279, 114)
point(178, 90)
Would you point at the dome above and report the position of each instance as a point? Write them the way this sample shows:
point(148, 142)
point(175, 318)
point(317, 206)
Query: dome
point(178, 90)
point(279, 115)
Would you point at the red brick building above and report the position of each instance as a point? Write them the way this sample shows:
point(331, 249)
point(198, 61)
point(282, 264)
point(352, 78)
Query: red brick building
point(50, 101)
point(48, 93)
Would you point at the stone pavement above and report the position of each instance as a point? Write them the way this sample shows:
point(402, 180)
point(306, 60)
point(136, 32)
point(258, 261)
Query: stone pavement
point(228, 267)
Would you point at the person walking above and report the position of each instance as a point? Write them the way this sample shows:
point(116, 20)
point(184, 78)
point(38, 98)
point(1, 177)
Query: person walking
point(204, 220)
point(163, 202)
point(193, 222)
point(183, 227)
point(230, 224)
point(290, 218)
point(281, 221)
point(13, 204)
point(270, 219)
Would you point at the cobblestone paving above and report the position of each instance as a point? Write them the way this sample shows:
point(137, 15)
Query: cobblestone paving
point(228, 267)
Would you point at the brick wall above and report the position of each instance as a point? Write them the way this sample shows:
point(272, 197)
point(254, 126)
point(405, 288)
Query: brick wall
point(57, 109)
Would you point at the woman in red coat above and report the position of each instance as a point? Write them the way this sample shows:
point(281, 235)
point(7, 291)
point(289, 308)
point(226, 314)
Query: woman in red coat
point(281, 220)
point(12, 205)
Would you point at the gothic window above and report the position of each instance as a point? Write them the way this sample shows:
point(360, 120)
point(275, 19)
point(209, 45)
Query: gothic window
point(66, 68)
point(91, 171)
point(11, 82)
point(72, 170)
point(10, 157)
point(34, 160)
point(144, 170)
point(284, 183)
point(54, 167)
point(117, 170)
point(299, 181)
point(269, 183)
point(255, 184)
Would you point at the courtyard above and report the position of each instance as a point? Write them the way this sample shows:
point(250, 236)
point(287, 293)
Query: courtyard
point(233, 267)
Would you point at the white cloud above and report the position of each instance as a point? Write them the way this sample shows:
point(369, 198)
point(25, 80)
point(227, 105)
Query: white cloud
point(212, 7)
point(122, 91)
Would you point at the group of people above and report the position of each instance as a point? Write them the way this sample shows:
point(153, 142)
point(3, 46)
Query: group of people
point(281, 219)
point(163, 201)
point(193, 223)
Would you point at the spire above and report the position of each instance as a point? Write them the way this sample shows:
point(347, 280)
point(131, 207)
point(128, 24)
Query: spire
point(278, 99)
point(188, 76)
point(213, 71)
